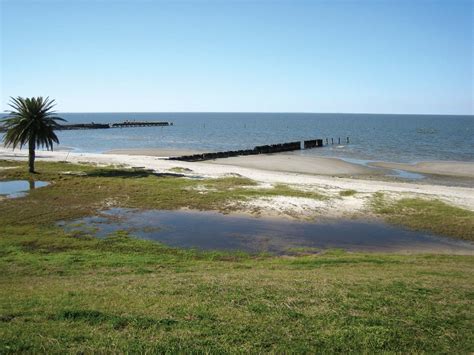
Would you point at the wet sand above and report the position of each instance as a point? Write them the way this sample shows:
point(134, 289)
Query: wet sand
point(284, 162)
point(154, 152)
point(314, 165)
point(291, 163)
point(446, 168)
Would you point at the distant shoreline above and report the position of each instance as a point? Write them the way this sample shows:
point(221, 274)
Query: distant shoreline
point(280, 162)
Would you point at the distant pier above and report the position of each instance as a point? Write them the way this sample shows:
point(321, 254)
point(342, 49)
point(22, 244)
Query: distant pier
point(92, 125)
point(124, 124)
point(67, 127)
point(140, 124)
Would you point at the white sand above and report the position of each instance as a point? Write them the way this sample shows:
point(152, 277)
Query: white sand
point(154, 152)
point(302, 208)
point(347, 206)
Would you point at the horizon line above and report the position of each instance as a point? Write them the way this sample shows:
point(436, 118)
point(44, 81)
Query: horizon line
point(270, 112)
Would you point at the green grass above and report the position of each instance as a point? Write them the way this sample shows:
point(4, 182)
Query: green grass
point(66, 294)
point(178, 169)
point(428, 215)
point(70, 293)
point(74, 196)
point(346, 193)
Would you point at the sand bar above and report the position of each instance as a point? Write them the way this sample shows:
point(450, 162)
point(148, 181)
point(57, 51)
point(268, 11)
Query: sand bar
point(447, 168)
point(154, 152)
point(284, 162)
point(292, 163)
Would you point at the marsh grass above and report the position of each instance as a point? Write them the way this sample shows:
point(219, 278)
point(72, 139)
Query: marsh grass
point(347, 193)
point(178, 169)
point(75, 195)
point(429, 215)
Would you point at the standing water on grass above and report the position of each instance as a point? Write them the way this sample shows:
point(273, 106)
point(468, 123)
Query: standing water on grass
point(398, 138)
point(215, 231)
point(19, 188)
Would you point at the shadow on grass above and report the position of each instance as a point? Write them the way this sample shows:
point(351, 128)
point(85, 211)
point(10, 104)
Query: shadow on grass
point(117, 322)
point(132, 173)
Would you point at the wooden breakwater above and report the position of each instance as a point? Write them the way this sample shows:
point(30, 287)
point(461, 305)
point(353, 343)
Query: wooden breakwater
point(262, 149)
point(314, 143)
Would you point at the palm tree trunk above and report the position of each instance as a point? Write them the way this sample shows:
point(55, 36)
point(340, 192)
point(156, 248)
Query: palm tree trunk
point(31, 155)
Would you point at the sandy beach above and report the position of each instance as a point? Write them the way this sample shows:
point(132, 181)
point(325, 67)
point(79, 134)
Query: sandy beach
point(154, 152)
point(292, 163)
point(447, 168)
point(259, 169)
point(283, 162)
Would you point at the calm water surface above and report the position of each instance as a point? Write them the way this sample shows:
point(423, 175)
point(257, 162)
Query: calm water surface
point(215, 231)
point(19, 188)
point(399, 138)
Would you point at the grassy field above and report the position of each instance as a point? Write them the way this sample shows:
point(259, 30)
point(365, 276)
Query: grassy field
point(74, 293)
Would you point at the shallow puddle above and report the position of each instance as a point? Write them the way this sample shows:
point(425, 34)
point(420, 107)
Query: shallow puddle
point(19, 188)
point(404, 174)
point(407, 174)
point(215, 231)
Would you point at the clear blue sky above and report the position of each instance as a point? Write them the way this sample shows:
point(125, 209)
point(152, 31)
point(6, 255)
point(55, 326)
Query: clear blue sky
point(272, 56)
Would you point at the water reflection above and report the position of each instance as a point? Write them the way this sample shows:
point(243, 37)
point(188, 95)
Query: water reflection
point(215, 231)
point(19, 188)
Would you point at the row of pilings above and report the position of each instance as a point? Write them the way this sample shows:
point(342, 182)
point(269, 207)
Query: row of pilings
point(262, 149)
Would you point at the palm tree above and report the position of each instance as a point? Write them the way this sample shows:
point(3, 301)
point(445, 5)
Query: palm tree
point(31, 121)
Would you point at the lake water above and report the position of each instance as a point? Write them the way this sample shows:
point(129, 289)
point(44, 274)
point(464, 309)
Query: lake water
point(215, 231)
point(399, 138)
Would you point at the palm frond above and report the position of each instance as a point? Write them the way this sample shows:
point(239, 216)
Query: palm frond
point(31, 120)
